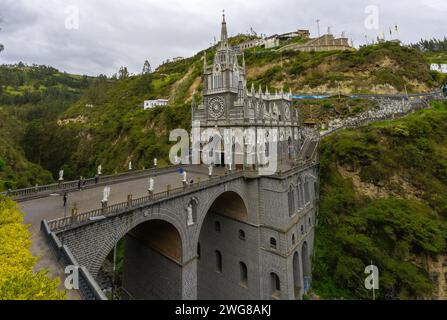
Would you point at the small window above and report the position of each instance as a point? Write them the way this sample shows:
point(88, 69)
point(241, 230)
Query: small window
point(244, 274)
point(217, 226)
point(293, 239)
point(273, 243)
point(218, 261)
point(242, 235)
point(310, 222)
point(275, 285)
point(198, 251)
point(302, 229)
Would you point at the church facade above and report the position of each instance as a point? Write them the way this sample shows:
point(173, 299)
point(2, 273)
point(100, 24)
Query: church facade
point(227, 103)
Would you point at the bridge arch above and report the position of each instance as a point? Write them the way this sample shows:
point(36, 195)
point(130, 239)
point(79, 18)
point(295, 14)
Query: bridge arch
point(216, 199)
point(155, 242)
point(124, 228)
point(230, 211)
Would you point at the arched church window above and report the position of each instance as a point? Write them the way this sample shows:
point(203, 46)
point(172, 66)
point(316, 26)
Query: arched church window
point(218, 261)
point(273, 243)
point(291, 197)
point(243, 273)
point(217, 226)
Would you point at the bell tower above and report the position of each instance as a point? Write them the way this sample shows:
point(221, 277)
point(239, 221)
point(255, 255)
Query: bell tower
point(224, 80)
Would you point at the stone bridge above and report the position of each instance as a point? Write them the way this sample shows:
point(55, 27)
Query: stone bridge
point(230, 229)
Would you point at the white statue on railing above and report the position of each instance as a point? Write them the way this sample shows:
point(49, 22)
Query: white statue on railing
point(99, 170)
point(61, 175)
point(130, 165)
point(151, 185)
point(106, 195)
point(155, 162)
point(190, 218)
point(210, 170)
point(184, 174)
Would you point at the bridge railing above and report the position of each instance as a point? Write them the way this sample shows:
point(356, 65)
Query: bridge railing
point(74, 220)
point(88, 287)
point(71, 185)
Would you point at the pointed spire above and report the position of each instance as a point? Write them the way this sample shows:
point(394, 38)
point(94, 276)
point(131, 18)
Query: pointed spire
point(267, 91)
point(224, 32)
point(252, 88)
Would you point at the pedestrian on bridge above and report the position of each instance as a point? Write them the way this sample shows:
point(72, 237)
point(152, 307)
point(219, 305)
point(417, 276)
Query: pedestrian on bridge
point(65, 199)
point(80, 183)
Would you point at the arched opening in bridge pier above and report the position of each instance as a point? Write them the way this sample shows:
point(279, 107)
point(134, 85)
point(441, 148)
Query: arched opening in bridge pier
point(305, 259)
point(149, 263)
point(230, 212)
point(296, 275)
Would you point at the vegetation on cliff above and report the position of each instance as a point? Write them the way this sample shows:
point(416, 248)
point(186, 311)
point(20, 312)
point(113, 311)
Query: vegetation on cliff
point(32, 146)
point(383, 200)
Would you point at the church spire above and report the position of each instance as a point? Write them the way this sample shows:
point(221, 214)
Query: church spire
point(224, 32)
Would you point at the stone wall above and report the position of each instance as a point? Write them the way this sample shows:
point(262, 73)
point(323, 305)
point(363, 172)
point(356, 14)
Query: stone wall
point(388, 108)
point(148, 274)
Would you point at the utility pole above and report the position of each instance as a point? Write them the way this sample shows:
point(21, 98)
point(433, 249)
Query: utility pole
point(318, 27)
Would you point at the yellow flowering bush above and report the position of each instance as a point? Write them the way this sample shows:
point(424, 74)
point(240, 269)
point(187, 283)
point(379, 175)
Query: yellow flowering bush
point(17, 279)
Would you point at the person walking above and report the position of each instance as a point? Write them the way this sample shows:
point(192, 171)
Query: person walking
point(80, 183)
point(65, 199)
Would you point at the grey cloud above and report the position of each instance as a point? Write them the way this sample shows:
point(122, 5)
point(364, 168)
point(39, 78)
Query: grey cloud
point(119, 32)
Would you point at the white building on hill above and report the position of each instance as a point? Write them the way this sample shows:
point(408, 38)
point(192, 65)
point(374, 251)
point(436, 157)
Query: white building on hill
point(439, 67)
point(149, 104)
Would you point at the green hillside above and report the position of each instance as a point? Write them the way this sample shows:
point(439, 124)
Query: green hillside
point(383, 199)
point(113, 129)
point(30, 97)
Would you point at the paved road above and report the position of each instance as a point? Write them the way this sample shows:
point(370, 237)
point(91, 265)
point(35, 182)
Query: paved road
point(52, 208)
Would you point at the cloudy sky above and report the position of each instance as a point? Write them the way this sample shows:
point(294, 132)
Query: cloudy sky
point(98, 36)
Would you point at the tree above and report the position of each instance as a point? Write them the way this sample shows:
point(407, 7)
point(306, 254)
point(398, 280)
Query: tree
point(147, 67)
point(123, 73)
point(17, 279)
